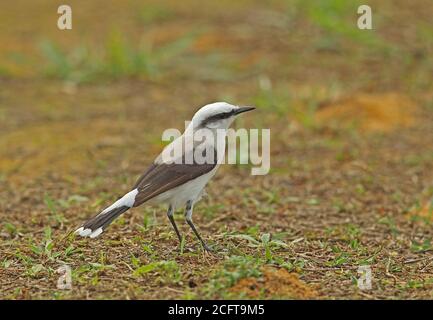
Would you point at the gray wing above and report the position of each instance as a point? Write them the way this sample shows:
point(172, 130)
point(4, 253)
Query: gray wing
point(160, 177)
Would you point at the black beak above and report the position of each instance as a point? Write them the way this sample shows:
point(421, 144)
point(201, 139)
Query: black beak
point(243, 109)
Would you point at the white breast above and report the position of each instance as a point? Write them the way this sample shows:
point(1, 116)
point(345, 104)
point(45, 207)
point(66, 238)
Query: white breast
point(191, 190)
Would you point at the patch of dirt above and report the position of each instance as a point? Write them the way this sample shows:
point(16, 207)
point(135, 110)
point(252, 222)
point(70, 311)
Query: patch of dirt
point(211, 41)
point(424, 212)
point(274, 283)
point(369, 112)
point(33, 151)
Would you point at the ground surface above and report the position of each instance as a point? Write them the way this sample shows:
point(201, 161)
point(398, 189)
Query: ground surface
point(351, 119)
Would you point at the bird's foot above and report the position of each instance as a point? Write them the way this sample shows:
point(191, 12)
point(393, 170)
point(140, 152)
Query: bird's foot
point(208, 249)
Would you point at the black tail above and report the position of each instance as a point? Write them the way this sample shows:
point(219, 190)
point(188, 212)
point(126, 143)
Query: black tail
point(101, 221)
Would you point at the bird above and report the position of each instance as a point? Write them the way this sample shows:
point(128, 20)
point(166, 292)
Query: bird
point(176, 180)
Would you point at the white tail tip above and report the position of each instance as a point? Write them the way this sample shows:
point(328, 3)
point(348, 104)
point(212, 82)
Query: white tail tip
point(88, 232)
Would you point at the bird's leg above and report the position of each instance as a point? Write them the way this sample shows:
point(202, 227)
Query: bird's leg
point(188, 217)
point(170, 213)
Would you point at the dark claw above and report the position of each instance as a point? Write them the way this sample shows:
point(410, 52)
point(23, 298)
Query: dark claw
point(208, 249)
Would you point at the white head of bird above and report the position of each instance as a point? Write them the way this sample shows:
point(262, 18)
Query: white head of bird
point(218, 115)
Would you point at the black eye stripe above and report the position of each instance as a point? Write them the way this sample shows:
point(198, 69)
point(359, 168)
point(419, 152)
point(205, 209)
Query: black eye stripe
point(216, 117)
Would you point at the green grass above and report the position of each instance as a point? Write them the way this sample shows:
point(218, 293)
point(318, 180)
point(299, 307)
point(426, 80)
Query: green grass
point(234, 269)
point(338, 19)
point(166, 271)
point(275, 100)
point(420, 247)
point(118, 58)
point(154, 14)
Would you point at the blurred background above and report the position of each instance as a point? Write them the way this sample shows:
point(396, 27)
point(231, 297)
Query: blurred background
point(350, 112)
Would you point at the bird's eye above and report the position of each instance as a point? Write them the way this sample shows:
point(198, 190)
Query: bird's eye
point(213, 124)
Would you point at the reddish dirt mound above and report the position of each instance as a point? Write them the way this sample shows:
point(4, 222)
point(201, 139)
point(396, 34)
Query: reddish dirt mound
point(211, 41)
point(369, 112)
point(424, 212)
point(274, 283)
